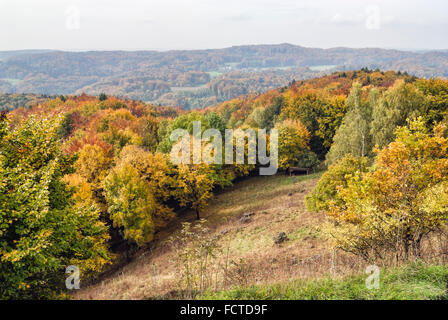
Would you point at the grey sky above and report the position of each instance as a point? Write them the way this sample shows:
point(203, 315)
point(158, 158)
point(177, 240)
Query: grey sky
point(191, 24)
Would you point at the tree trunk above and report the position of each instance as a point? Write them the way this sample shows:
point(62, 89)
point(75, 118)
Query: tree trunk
point(197, 214)
point(406, 249)
point(418, 246)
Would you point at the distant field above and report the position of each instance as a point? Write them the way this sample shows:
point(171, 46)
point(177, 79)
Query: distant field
point(214, 74)
point(190, 89)
point(276, 68)
point(323, 67)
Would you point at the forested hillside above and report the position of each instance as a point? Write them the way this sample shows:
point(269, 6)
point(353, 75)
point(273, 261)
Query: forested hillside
point(11, 101)
point(87, 181)
point(196, 78)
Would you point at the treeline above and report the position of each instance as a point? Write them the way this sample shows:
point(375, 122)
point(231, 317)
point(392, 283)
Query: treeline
point(11, 101)
point(225, 86)
point(319, 104)
point(383, 136)
point(386, 189)
point(82, 176)
point(155, 76)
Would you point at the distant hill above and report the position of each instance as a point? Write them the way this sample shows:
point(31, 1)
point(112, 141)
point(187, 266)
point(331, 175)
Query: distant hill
point(15, 53)
point(196, 78)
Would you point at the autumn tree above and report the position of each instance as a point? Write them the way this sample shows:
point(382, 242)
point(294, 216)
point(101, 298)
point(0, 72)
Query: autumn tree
point(93, 162)
point(158, 173)
point(118, 130)
point(266, 116)
point(436, 96)
point(215, 121)
point(326, 192)
point(402, 200)
point(42, 231)
point(332, 114)
point(182, 122)
point(306, 107)
point(83, 191)
point(136, 192)
point(147, 128)
point(194, 187)
point(131, 205)
point(293, 148)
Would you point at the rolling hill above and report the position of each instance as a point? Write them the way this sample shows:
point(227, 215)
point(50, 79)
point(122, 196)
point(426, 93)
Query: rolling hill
point(196, 78)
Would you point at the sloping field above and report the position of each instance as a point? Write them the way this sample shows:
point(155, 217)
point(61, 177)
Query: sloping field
point(248, 250)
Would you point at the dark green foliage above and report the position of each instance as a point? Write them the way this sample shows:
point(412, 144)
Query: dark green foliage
point(215, 121)
point(102, 97)
point(271, 113)
point(66, 127)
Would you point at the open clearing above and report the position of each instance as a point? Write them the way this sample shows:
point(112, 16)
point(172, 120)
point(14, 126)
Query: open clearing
point(278, 205)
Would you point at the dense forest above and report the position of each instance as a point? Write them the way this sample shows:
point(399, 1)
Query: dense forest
point(196, 78)
point(11, 101)
point(86, 180)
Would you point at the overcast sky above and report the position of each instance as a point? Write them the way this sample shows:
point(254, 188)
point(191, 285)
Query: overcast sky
point(200, 24)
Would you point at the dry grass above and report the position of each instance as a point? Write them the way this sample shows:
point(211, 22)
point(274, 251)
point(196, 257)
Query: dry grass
point(278, 206)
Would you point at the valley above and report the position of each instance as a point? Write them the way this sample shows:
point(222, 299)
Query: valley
point(196, 78)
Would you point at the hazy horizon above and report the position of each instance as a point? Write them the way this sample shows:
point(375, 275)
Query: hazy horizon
point(81, 25)
point(218, 48)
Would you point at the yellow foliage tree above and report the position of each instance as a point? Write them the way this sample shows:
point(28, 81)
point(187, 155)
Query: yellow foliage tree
point(402, 200)
point(136, 191)
point(293, 149)
point(131, 204)
point(92, 163)
point(83, 193)
point(157, 172)
point(195, 186)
